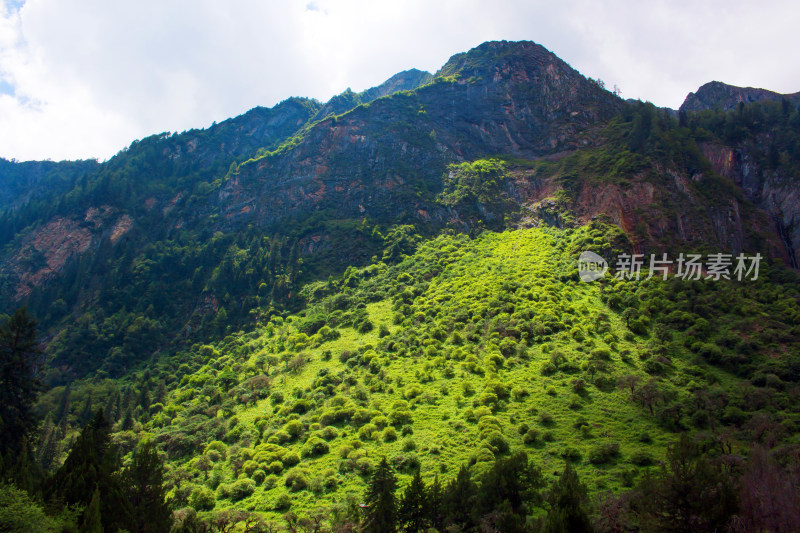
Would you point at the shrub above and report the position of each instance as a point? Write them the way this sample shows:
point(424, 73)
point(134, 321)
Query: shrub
point(571, 454)
point(202, 499)
point(259, 476)
point(290, 459)
point(315, 446)
point(296, 480)
point(497, 442)
point(219, 447)
point(294, 428)
point(329, 433)
point(242, 488)
point(282, 502)
point(604, 453)
point(642, 459)
point(389, 434)
point(531, 436)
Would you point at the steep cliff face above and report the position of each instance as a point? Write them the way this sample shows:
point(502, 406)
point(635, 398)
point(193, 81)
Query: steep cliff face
point(386, 160)
point(718, 95)
point(777, 194)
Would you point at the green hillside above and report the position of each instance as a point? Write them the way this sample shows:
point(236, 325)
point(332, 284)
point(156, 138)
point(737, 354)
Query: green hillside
point(367, 315)
point(464, 352)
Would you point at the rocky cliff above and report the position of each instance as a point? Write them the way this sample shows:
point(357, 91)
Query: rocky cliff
point(718, 95)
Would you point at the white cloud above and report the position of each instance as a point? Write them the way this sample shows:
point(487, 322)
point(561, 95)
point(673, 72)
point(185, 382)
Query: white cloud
point(83, 78)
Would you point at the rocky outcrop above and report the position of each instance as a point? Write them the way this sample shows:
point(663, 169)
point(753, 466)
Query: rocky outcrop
point(374, 161)
point(776, 194)
point(716, 95)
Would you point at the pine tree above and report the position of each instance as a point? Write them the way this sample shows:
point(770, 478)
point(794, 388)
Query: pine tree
point(63, 405)
point(48, 449)
point(92, 464)
point(19, 381)
point(380, 514)
point(459, 501)
point(413, 511)
point(86, 413)
point(144, 487)
point(568, 503)
point(436, 504)
point(92, 521)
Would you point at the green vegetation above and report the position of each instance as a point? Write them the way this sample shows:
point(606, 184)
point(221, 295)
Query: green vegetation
point(428, 359)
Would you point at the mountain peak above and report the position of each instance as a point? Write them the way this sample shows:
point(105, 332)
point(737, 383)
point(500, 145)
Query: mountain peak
point(719, 95)
point(406, 80)
point(494, 54)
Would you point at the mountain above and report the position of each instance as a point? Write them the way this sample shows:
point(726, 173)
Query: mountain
point(718, 95)
point(280, 300)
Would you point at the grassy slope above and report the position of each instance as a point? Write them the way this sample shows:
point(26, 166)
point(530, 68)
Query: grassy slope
point(511, 281)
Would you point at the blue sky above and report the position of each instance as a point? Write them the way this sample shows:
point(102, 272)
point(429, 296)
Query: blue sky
point(83, 78)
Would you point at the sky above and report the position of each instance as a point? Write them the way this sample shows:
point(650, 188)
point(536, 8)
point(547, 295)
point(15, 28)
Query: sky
point(84, 78)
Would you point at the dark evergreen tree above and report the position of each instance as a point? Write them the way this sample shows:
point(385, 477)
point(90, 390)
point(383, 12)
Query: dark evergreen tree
point(692, 493)
point(92, 518)
point(48, 449)
point(568, 505)
point(413, 511)
point(143, 483)
point(63, 405)
point(435, 506)
point(86, 413)
point(19, 382)
point(459, 501)
point(380, 513)
point(92, 464)
point(508, 492)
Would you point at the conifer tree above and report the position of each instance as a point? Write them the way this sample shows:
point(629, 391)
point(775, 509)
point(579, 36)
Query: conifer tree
point(380, 513)
point(144, 488)
point(568, 503)
point(92, 521)
point(459, 501)
point(413, 512)
point(435, 507)
point(19, 382)
point(92, 464)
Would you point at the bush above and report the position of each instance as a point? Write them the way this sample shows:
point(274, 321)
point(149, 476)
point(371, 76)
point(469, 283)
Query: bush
point(531, 436)
point(571, 454)
point(282, 502)
point(202, 499)
point(315, 446)
point(642, 459)
point(329, 433)
point(259, 476)
point(296, 480)
point(389, 434)
point(497, 442)
point(604, 453)
point(250, 466)
point(220, 449)
point(290, 459)
point(242, 488)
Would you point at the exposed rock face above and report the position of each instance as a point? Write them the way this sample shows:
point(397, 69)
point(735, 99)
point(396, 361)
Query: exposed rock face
point(499, 98)
point(718, 95)
point(776, 194)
